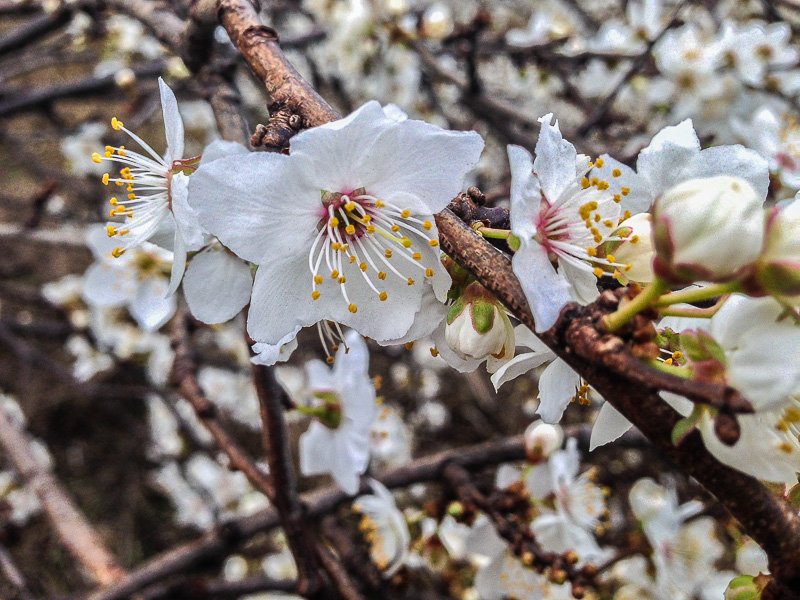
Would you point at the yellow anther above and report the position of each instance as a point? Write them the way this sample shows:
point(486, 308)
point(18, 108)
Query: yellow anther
point(677, 355)
point(591, 251)
point(433, 243)
point(318, 279)
point(334, 274)
point(617, 274)
point(116, 124)
point(131, 196)
point(336, 245)
point(409, 345)
point(352, 259)
point(130, 187)
point(634, 239)
point(342, 279)
point(362, 266)
point(627, 215)
point(126, 172)
point(585, 211)
point(608, 223)
point(598, 272)
point(426, 225)
point(379, 204)
point(108, 154)
point(598, 238)
point(406, 242)
point(334, 222)
point(617, 198)
point(597, 217)
point(625, 191)
point(599, 163)
point(329, 360)
point(352, 308)
point(117, 252)
point(383, 296)
point(602, 185)
point(594, 181)
point(119, 183)
point(366, 218)
point(585, 183)
point(111, 230)
point(113, 202)
point(428, 272)
point(370, 228)
point(387, 253)
point(405, 214)
point(315, 294)
point(350, 229)
point(381, 275)
point(343, 248)
point(96, 157)
point(395, 228)
point(594, 230)
point(105, 179)
point(616, 173)
point(124, 231)
point(668, 361)
point(350, 206)
point(610, 258)
point(121, 151)
point(628, 267)
point(417, 256)
point(411, 281)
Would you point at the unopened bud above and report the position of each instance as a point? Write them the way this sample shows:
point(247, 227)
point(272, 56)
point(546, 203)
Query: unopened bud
point(478, 327)
point(778, 269)
point(541, 440)
point(743, 587)
point(707, 229)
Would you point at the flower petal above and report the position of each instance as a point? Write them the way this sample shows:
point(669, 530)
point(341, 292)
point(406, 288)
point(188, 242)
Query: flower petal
point(555, 159)
point(526, 193)
point(173, 124)
point(638, 196)
point(217, 286)
point(734, 160)
point(557, 386)
point(546, 291)
point(669, 151)
point(609, 425)
point(150, 307)
point(106, 285)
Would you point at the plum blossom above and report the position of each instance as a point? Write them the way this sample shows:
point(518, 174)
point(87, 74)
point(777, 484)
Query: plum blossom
point(138, 280)
point(338, 442)
point(154, 190)
point(755, 48)
point(341, 228)
point(385, 528)
point(558, 384)
point(560, 217)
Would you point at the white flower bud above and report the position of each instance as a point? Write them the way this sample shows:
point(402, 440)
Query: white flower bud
point(707, 229)
point(477, 327)
point(541, 440)
point(437, 22)
point(778, 269)
point(636, 249)
point(648, 499)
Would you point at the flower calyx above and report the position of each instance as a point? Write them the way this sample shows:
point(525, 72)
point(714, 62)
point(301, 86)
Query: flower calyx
point(477, 326)
point(328, 412)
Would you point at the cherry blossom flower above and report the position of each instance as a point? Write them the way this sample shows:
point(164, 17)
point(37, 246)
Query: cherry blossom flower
point(154, 190)
point(559, 217)
point(385, 528)
point(138, 280)
point(756, 47)
point(340, 445)
point(342, 228)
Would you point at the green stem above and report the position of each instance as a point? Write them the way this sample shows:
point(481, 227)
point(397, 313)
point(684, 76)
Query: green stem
point(685, 372)
point(697, 313)
point(644, 300)
point(698, 294)
point(497, 234)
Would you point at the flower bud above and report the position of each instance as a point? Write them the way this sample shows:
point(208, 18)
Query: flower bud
point(778, 269)
point(636, 249)
point(477, 326)
point(707, 229)
point(541, 440)
point(437, 22)
point(648, 499)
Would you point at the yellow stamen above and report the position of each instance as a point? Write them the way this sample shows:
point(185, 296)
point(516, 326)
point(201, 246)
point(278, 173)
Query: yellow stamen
point(105, 179)
point(352, 308)
point(383, 296)
point(350, 229)
point(334, 222)
point(616, 173)
point(111, 230)
point(426, 225)
point(433, 243)
point(428, 272)
point(97, 158)
point(334, 274)
point(116, 124)
point(117, 252)
point(387, 253)
point(598, 272)
point(315, 294)
point(381, 275)
point(405, 214)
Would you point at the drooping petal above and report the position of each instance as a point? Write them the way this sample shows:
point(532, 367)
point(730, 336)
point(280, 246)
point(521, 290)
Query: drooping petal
point(217, 286)
point(557, 386)
point(269, 354)
point(555, 159)
point(546, 290)
point(418, 158)
point(150, 306)
point(178, 264)
point(519, 365)
point(173, 124)
point(609, 426)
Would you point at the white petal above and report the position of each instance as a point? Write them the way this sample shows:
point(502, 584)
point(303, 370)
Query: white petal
point(217, 286)
point(178, 264)
point(526, 197)
point(187, 222)
point(429, 320)
point(106, 285)
point(669, 151)
point(555, 159)
point(519, 365)
point(315, 449)
point(220, 149)
point(736, 161)
point(639, 197)
point(269, 354)
point(459, 363)
point(557, 386)
point(173, 124)
point(609, 425)
point(418, 158)
point(258, 204)
point(583, 282)
point(150, 307)
point(547, 291)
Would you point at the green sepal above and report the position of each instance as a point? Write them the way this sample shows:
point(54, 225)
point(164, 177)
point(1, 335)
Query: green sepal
point(686, 425)
point(482, 314)
point(743, 587)
point(455, 310)
point(793, 497)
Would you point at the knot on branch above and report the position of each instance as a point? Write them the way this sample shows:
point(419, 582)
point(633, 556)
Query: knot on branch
point(259, 34)
point(282, 125)
point(469, 207)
